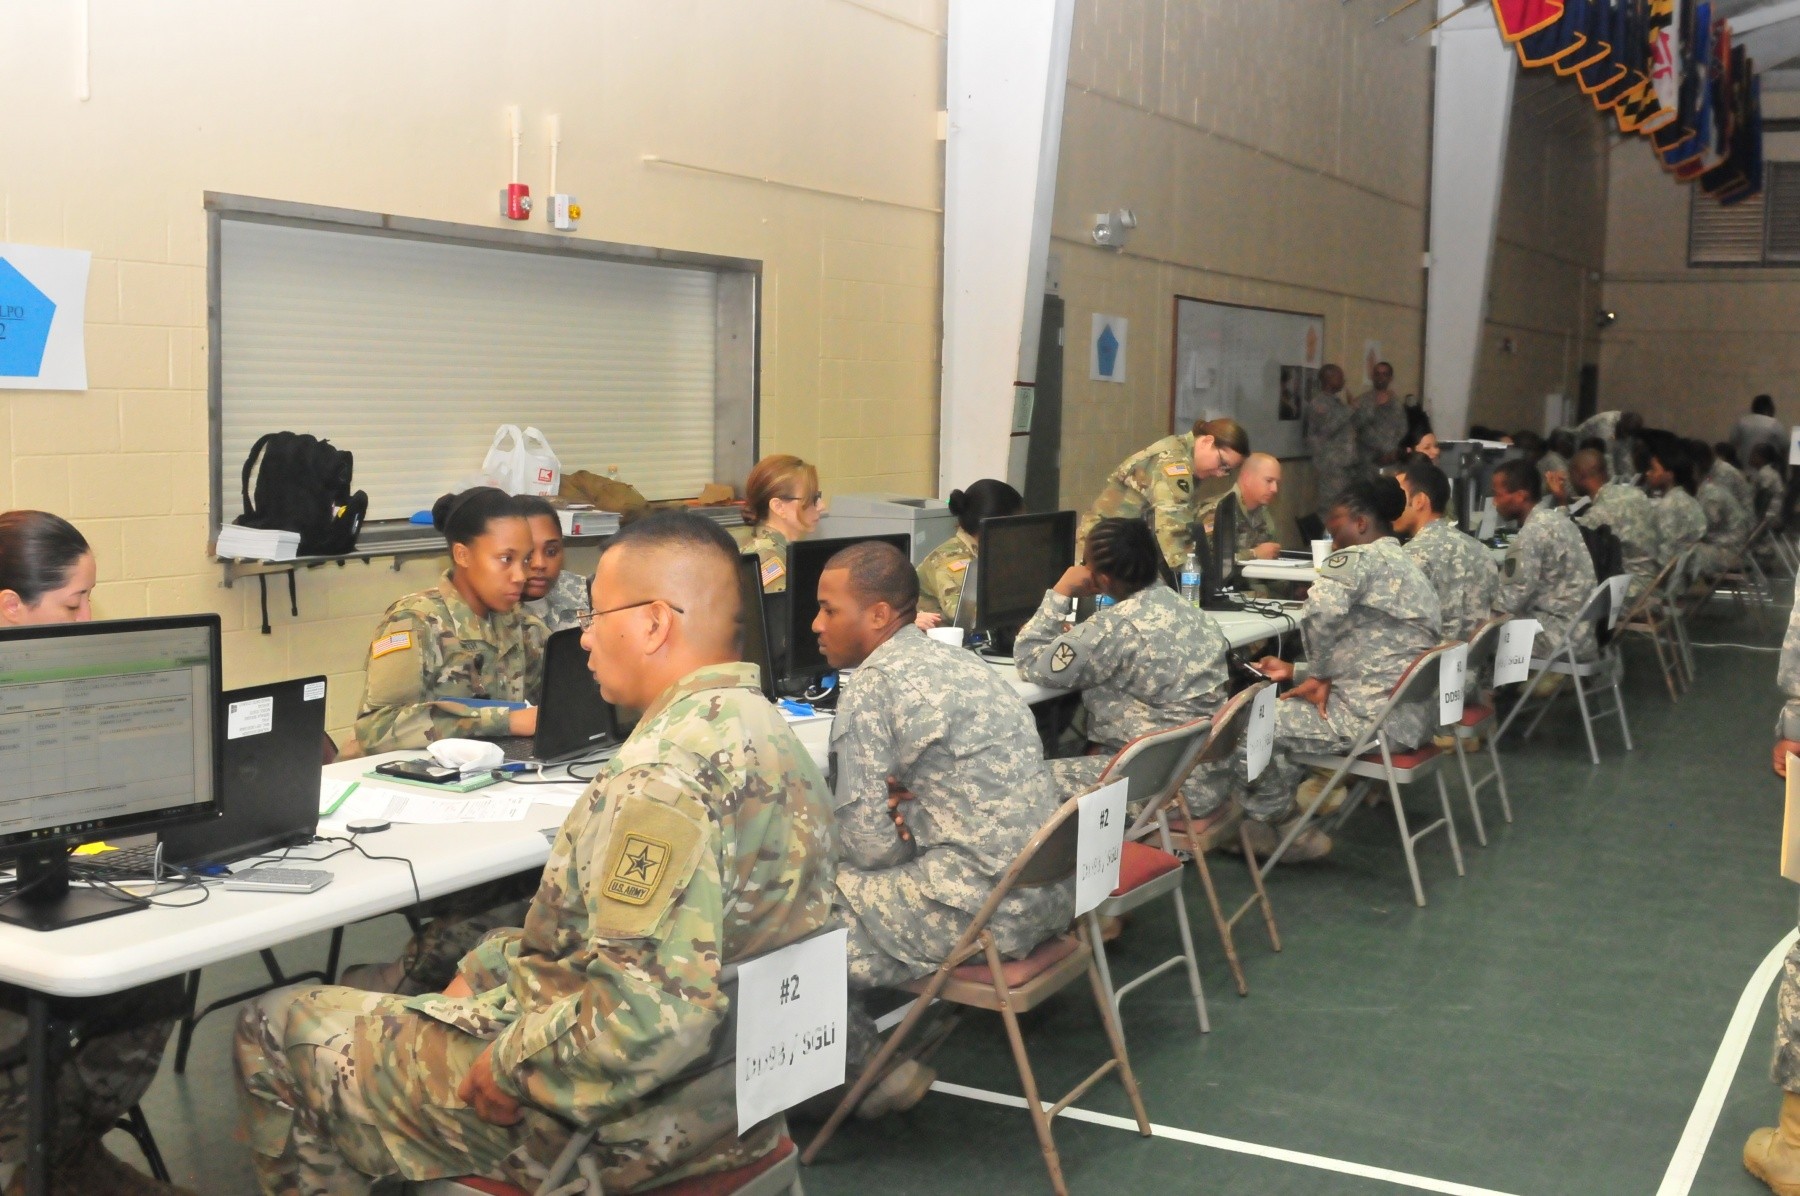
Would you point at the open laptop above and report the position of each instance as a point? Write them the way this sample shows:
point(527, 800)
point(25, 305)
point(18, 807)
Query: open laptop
point(273, 751)
point(573, 719)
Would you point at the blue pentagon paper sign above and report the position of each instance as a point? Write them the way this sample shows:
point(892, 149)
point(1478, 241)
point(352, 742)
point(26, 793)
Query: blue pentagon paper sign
point(25, 316)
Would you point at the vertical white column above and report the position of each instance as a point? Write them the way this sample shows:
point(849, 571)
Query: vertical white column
point(1007, 67)
point(1471, 110)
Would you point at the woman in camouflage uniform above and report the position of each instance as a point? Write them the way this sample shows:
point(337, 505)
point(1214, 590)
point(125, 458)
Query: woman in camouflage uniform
point(552, 594)
point(946, 567)
point(782, 501)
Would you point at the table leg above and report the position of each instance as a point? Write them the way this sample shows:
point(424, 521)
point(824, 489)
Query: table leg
point(39, 1084)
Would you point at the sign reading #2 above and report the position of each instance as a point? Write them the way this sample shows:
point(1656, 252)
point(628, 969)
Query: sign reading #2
point(43, 300)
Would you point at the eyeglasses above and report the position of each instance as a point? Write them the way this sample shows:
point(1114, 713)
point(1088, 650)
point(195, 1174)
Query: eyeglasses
point(586, 617)
point(805, 500)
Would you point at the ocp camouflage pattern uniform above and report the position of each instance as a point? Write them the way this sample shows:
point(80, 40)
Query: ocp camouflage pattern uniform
point(1548, 575)
point(706, 840)
point(942, 574)
point(943, 724)
point(1380, 427)
point(432, 649)
point(771, 548)
point(1737, 483)
point(1158, 479)
point(1727, 525)
point(1253, 527)
point(1785, 1070)
point(1462, 575)
point(1627, 511)
point(1680, 521)
point(557, 609)
point(1147, 663)
point(1331, 439)
point(1368, 616)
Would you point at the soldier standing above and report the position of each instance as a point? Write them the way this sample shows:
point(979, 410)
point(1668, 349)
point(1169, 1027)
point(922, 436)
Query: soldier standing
point(1380, 421)
point(1161, 483)
point(1331, 437)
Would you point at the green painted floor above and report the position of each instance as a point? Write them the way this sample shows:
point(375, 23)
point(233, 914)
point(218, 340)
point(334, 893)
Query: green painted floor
point(1544, 1026)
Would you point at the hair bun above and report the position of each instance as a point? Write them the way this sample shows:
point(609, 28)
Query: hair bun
point(441, 509)
point(958, 502)
point(1390, 499)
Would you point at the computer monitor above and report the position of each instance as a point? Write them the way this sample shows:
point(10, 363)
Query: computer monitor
point(755, 649)
point(1218, 554)
point(806, 562)
point(105, 729)
point(1020, 556)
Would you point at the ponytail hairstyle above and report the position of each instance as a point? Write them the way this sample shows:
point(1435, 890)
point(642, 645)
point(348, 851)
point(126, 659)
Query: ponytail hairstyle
point(777, 476)
point(1379, 500)
point(464, 518)
point(986, 499)
point(1226, 434)
point(1125, 551)
point(38, 551)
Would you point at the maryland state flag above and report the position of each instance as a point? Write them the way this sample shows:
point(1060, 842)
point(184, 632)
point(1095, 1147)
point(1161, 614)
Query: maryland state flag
point(1522, 18)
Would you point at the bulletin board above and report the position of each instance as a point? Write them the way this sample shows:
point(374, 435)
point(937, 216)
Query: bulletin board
point(1256, 365)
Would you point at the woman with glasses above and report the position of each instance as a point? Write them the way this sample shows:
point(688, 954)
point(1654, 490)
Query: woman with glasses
point(783, 503)
point(945, 569)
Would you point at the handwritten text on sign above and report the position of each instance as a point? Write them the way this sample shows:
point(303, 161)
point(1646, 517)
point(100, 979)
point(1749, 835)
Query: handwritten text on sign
point(790, 1033)
point(1259, 740)
point(1453, 667)
point(1099, 845)
point(1512, 662)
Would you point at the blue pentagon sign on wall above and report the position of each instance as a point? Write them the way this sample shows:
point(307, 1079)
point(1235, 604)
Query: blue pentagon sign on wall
point(25, 315)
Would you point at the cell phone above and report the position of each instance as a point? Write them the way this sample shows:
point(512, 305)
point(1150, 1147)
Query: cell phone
point(420, 769)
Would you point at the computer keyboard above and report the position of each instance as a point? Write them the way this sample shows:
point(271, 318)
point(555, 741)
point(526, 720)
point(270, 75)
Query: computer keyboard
point(517, 747)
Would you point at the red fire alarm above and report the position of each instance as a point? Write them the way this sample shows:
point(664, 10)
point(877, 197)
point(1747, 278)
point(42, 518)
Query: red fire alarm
point(515, 202)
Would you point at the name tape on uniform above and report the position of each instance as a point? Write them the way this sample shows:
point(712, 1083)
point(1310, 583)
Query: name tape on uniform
point(791, 1007)
point(1512, 661)
point(1259, 739)
point(1099, 845)
point(1453, 669)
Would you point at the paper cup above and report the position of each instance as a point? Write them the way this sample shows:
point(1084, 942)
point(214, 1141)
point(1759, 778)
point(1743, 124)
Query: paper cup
point(947, 635)
point(1321, 549)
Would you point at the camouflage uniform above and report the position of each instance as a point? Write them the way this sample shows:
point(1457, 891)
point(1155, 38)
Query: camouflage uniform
point(1737, 483)
point(942, 573)
point(771, 548)
point(1767, 489)
point(1253, 527)
point(1147, 663)
point(1785, 1070)
point(1627, 511)
point(431, 649)
point(1680, 521)
point(557, 609)
point(1159, 479)
point(1548, 576)
point(1331, 439)
point(1380, 427)
point(944, 725)
point(1369, 616)
point(1461, 573)
point(1605, 426)
point(707, 839)
point(1727, 525)
point(1787, 675)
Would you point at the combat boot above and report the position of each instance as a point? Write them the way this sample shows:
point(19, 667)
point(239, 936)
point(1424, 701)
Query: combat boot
point(1773, 1154)
point(96, 1171)
point(1309, 789)
point(1312, 843)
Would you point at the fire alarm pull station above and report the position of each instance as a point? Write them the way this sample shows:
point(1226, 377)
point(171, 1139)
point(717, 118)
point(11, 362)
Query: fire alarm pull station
point(515, 202)
point(563, 213)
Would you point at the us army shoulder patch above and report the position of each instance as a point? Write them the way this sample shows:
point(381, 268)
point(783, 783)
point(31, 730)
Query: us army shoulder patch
point(647, 861)
point(1063, 657)
point(399, 641)
point(957, 566)
point(772, 570)
point(1337, 560)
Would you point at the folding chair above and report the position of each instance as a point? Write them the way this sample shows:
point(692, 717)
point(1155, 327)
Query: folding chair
point(1607, 665)
point(1681, 578)
point(1484, 645)
point(1010, 989)
point(1742, 573)
point(1652, 617)
point(1374, 757)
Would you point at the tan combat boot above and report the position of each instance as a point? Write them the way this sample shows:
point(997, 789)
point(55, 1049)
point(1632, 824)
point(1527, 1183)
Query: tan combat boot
point(1773, 1155)
point(1309, 789)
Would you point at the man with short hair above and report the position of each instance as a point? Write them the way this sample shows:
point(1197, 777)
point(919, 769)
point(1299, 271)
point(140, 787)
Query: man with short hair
point(1616, 429)
point(1380, 421)
point(1548, 574)
point(1161, 483)
point(1454, 562)
point(938, 780)
point(1759, 427)
point(1258, 482)
point(1624, 509)
point(1331, 437)
point(705, 841)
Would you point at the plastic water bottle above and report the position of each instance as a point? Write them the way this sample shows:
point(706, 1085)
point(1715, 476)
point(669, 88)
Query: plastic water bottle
point(1190, 579)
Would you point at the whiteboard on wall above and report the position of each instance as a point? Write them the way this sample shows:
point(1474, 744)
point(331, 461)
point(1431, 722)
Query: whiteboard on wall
point(1253, 364)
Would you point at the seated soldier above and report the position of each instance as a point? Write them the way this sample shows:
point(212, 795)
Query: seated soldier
point(1730, 470)
point(1461, 573)
point(1147, 663)
point(1548, 574)
point(705, 841)
point(935, 727)
point(1258, 481)
point(1369, 615)
point(1765, 479)
point(1727, 519)
point(1624, 509)
point(1669, 480)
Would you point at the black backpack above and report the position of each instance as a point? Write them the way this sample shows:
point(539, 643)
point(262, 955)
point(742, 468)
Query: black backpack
point(303, 485)
point(1604, 550)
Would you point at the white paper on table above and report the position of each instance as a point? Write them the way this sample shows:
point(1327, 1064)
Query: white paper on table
point(1512, 661)
point(1618, 585)
point(1099, 845)
point(397, 805)
point(562, 794)
point(1794, 446)
point(1490, 520)
point(791, 1007)
point(1259, 739)
point(1320, 550)
point(1790, 822)
point(1453, 666)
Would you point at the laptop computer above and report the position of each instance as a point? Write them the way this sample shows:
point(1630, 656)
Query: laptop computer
point(573, 719)
point(273, 751)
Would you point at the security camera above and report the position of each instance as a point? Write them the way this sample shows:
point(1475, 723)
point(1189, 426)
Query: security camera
point(1603, 319)
point(1112, 229)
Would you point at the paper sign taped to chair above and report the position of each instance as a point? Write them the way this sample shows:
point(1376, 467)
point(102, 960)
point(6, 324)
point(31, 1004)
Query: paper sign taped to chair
point(1099, 845)
point(1490, 520)
point(1453, 667)
point(791, 1008)
point(1259, 739)
point(1794, 446)
point(1618, 585)
point(1790, 822)
point(1512, 660)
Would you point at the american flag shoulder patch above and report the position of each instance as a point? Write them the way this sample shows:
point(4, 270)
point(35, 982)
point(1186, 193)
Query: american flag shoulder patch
point(399, 641)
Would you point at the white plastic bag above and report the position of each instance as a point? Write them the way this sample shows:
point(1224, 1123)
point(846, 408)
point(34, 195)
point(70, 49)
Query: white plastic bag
point(522, 462)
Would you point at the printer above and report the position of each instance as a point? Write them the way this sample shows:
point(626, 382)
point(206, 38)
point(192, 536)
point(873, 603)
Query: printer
point(927, 520)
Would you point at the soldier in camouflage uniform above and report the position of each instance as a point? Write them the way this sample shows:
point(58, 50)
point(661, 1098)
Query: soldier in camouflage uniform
point(565, 597)
point(944, 573)
point(1259, 481)
point(1669, 480)
point(1380, 422)
point(1727, 520)
point(1548, 574)
point(783, 502)
point(1331, 437)
point(1457, 565)
point(937, 724)
point(1160, 483)
point(1147, 663)
point(553, 595)
point(1616, 428)
point(771, 549)
point(1734, 479)
point(1627, 511)
point(1766, 485)
point(706, 840)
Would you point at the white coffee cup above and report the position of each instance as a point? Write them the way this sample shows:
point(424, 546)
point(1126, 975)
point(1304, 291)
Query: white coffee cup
point(947, 635)
point(1321, 549)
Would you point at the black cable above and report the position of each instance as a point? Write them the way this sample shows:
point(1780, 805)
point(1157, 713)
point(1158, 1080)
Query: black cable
point(395, 859)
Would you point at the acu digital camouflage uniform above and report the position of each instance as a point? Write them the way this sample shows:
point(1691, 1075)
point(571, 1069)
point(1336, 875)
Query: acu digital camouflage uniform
point(1380, 427)
point(943, 724)
point(432, 649)
point(1604, 425)
point(1680, 521)
point(1627, 511)
point(1727, 525)
point(1253, 527)
point(1461, 573)
point(557, 609)
point(1369, 615)
point(706, 840)
point(1147, 663)
point(1160, 480)
point(942, 574)
point(1737, 483)
point(1786, 1068)
point(1331, 439)
point(1548, 575)
point(771, 548)
point(1767, 489)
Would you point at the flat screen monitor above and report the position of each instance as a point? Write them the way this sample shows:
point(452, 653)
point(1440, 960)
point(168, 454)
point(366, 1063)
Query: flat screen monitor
point(806, 561)
point(755, 646)
point(1020, 557)
point(105, 729)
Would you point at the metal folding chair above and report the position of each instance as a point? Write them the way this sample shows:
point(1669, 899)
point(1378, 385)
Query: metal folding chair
point(1608, 666)
point(1484, 645)
point(1653, 616)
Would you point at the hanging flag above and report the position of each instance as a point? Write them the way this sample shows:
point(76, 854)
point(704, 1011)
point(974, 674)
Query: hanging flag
point(1683, 140)
point(1665, 64)
point(1563, 44)
point(1521, 18)
point(1718, 140)
point(1750, 152)
point(1610, 70)
point(1731, 174)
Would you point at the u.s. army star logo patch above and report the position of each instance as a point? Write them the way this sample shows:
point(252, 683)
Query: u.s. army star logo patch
point(1061, 658)
point(639, 867)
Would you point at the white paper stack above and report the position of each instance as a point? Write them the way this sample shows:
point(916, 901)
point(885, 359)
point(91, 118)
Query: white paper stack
point(586, 521)
point(257, 544)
